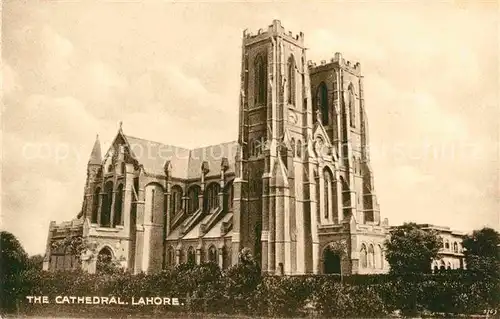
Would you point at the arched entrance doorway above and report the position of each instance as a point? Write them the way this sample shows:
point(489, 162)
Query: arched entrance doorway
point(331, 261)
point(104, 260)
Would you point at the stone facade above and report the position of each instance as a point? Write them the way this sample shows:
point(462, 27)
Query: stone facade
point(296, 187)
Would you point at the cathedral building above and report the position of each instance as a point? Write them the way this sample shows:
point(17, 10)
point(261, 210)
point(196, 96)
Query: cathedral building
point(296, 187)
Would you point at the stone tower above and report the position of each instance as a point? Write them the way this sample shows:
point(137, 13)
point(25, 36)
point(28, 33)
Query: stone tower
point(275, 120)
point(303, 193)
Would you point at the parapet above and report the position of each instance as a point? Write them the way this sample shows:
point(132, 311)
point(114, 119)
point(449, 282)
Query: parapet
point(337, 60)
point(274, 29)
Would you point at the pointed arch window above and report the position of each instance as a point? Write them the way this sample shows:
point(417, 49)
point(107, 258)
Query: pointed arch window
point(299, 148)
point(212, 254)
point(260, 83)
point(371, 257)
point(211, 197)
point(322, 101)
point(106, 205)
point(352, 105)
point(328, 193)
point(292, 145)
point(117, 220)
point(191, 255)
point(363, 256)
point(176, 200)
point(95, 205)
point(291, 80)
point(171, 256)
point(193, 202)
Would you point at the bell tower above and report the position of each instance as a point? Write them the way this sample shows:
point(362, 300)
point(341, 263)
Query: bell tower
point(275, 122)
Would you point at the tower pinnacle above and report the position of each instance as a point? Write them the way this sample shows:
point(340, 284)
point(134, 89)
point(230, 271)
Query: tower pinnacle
point(95, 155)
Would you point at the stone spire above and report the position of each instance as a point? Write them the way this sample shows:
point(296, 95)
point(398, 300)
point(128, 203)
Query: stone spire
point(95, 156)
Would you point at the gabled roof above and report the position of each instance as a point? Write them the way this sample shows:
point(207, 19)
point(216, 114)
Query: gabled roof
point(185, 163)
point(153, 155)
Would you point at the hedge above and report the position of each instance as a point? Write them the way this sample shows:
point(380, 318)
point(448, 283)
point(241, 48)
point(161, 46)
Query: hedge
point(242, 290)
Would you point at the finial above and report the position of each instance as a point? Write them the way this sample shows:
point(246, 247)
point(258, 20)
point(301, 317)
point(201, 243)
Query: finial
point(121, 124)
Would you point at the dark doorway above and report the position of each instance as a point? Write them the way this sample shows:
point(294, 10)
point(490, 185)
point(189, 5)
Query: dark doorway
point(331, 262)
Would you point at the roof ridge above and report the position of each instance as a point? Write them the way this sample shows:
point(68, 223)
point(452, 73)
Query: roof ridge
point(151, 141)
point(197, 148)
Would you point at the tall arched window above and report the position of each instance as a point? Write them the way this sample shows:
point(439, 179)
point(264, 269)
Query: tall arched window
point(123, 168)
point(380, 256)
point(363, 256)
point(117, 219)
point(322, 101)
point(191, 255)
point(299, 148)
point(106, 204)
point(352, 105)
point(171, 256)
point(176, 200)
point(211, 198)
point(260, 83)
point(292, 145)
point(193, 202)
point(291, 80)
point(328, 193)
point(371, 257)
point(95, 205)
point(455, 247)
point(212, 254)
point(346, 197)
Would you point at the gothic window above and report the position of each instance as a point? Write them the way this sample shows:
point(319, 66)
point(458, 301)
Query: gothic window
point(371, 257)
point(117, 220)
point(322, 101)
point(193, 203)
point(299, 148)
point(171, 256)
point(260, 84)
point(106, 204)
point(95, 205)
point(346, 197)
point(122, 169)
point(211, 198)
point(363, 256)
point(455, 247)
point(328, 193)
point(292, 145)
point(212, 254)
point(447, 244)
point(380, 256)
point(352, 105)
point(291, 80)
point(176, 200)
point(191, 255)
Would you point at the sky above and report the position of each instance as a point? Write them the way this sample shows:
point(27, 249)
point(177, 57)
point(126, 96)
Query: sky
point(170, 72)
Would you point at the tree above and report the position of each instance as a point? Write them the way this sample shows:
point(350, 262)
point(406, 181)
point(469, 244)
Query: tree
point(13, 258)
point(482, 252)
point(13, 261)
point(35, 262)
point(411, 249)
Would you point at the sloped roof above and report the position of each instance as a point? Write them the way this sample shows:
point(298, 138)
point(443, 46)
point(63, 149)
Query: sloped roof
point(185, 163)
point(153, 155)
point(213, 155)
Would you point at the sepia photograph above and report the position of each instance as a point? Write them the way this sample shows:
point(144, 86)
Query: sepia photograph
point(250, 159)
